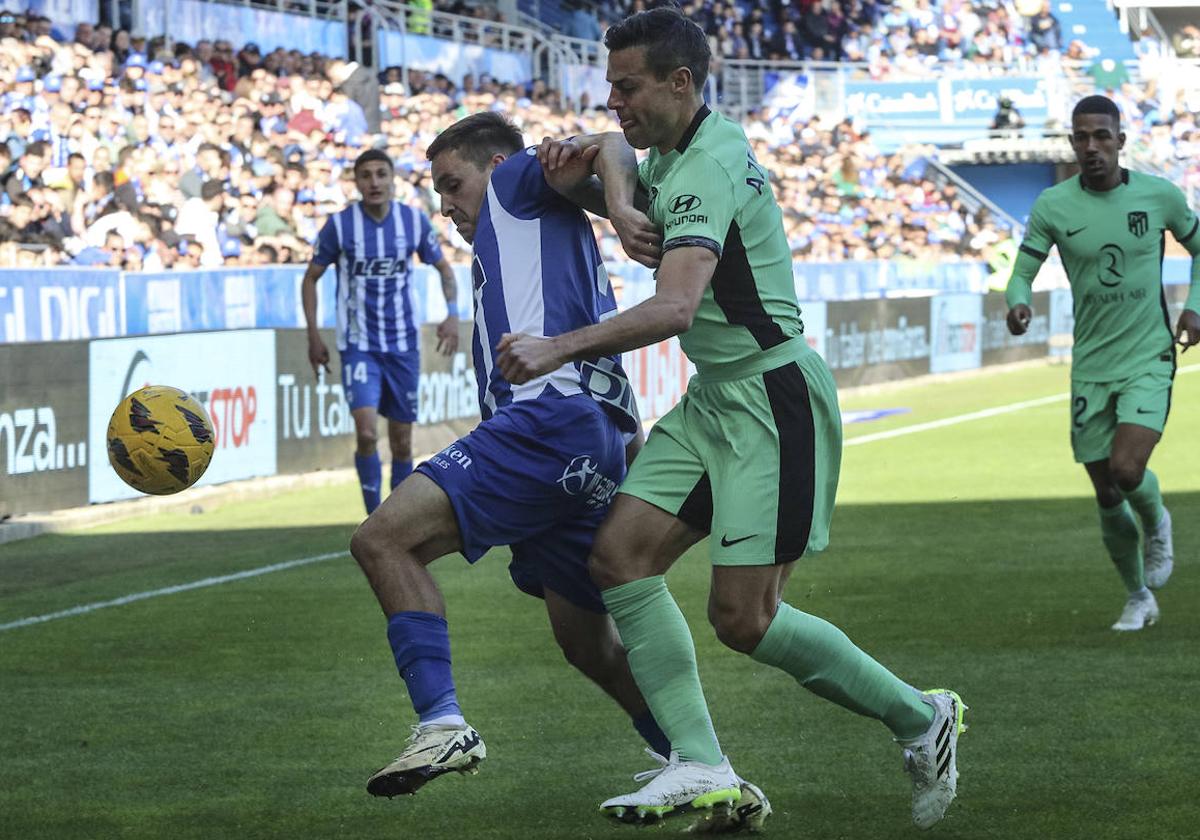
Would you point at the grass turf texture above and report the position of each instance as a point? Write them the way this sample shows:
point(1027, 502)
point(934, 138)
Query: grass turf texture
point(966, 557)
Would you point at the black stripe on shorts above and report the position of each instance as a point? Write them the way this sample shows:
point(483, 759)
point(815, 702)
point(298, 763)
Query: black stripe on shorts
point(791, 406)
point(697, 509)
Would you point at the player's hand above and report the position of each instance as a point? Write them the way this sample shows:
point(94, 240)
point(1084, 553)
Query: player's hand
point(639, 236)
point(1018, 319)
point(525, 357)
point(447, 335)
point(318, 354)
point(1187, 332)
point(565, 163)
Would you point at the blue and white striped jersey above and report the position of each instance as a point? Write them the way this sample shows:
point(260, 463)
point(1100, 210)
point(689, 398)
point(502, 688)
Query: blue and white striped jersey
point(376, 308)
point(537, 270)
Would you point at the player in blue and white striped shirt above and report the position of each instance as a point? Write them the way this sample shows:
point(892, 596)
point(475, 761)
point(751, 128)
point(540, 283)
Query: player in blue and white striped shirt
point(373, 243)
point(538, 472)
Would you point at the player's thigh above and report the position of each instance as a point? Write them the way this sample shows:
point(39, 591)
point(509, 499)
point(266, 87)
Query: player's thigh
point(362, 379)
point(1143, 406)
point(663, 509)
point(400, 377)
point(775, 460)
point(1093, 420)
point(417, 518)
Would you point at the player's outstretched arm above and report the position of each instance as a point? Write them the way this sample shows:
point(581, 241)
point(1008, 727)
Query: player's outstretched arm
point(682, 279)
point(447, 331)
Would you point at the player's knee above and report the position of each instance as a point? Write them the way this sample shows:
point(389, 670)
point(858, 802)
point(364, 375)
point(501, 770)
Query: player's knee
point(603, 568)
point(364, 545)
point(366, 441)
point(737, 627)
point(585, 656)
point(1127, 473)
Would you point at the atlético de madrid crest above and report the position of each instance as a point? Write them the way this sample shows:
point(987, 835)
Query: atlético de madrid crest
point(1138, 223)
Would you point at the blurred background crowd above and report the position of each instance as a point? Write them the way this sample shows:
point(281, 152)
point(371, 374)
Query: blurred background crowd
point(123, 152)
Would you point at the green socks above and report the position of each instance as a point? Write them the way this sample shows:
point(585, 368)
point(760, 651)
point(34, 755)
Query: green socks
point(827, 663)
point(1122, 540)
point(663, 660)
point(1147, 501)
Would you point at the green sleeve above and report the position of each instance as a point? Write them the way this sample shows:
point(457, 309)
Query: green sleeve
point(698, 205)
point(1035, 247)
point(1185, 227)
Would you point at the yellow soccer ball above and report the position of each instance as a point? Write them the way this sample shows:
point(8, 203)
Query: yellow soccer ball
point(160, 440)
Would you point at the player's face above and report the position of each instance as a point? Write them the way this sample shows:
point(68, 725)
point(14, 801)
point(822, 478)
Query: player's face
point(643, 103)
point(461, 185)
point(374, 181)
point(1097, 141)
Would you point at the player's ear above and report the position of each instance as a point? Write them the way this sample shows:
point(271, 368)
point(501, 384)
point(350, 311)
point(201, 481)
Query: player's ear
point(1120, 139)
point(498, 159)
point(681, 81)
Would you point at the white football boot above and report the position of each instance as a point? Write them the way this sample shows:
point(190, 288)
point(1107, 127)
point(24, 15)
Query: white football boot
point(431, 751)
point(676, 787)
point(932, 759)
point(1159, 553)
point(1141, 610)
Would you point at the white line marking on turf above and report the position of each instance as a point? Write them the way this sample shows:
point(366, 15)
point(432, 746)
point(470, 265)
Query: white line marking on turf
point(170, 590)
point(975, 415)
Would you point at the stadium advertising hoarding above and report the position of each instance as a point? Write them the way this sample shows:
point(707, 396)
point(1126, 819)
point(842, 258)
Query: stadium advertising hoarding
point(1000, 346)
point(44, 450)
point(957, 324)
point(60, 305)
point(232, 374)
point(869, 341)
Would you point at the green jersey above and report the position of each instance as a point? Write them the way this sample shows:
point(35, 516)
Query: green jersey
point(710, 192)
point(1111, 245)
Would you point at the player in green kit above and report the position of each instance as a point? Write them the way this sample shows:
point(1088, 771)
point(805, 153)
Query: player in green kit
point(1109, 226)
point(751, 454)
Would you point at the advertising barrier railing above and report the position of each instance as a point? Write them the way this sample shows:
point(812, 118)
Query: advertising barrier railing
point(272, 415)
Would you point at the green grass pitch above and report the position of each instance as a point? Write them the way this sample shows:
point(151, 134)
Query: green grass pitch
point(965, 557)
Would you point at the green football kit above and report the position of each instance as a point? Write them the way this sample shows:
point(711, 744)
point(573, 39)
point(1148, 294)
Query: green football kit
point(1111, 245)
point(751, 454)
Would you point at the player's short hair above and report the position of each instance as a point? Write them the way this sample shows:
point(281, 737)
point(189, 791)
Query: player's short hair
point(1097, 105)
point(372, 155)
point(671, 41)
point(477, 137)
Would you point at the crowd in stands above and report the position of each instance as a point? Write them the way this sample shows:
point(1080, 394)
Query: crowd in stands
point(118, 151)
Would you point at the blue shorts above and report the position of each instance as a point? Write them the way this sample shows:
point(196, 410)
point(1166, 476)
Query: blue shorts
point(384, 381)
point(538, 476)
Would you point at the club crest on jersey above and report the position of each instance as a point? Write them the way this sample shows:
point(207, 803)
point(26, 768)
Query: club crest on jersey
point(379, 266)
point(1139, 223)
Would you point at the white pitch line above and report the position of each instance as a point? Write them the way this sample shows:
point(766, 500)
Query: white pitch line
point(975, 415)
point(170, 590)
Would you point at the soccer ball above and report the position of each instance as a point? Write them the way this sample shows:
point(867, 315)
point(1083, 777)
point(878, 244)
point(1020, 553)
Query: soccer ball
point(160, 440)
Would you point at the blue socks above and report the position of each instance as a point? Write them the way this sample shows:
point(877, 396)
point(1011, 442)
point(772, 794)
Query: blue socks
point(370, 477)
point(421, 644)
point(400, 471)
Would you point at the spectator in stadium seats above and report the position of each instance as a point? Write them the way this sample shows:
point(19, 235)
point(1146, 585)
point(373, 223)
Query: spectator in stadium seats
point(583, 22)
point(1045, 32)
point(360, 85)
point(28, 173)
point(1187, 41)
point(787, 44)
point(209, 165)
point(274, 217)
point(200, 217)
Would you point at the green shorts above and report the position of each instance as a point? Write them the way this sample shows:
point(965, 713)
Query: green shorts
point(753, 461)
point(1098, 407)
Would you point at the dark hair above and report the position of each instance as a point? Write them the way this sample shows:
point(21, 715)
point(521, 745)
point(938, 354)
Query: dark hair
point(211, 189)
point(671, 41)
point(38, 148)
point(269, 252)
point(1097, 105)
point(372, 155)
point(477, 137)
